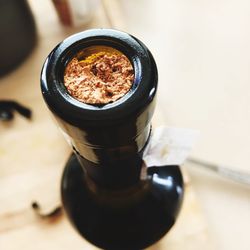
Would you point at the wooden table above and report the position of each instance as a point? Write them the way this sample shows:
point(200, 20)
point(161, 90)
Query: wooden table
point(203, 53)
point(33, 154)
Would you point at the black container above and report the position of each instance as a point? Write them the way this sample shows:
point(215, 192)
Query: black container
point(17, 33)
point(103, 192)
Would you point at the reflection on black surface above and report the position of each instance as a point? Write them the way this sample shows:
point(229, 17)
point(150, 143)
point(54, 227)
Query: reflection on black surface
point(127, 219)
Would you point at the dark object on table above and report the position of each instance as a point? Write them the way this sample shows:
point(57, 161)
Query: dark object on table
point(103, 193)
point(7, 109)
point(55, 212)
point(17, 33)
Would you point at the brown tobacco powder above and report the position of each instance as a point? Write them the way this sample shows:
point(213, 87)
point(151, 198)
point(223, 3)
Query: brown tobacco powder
point(100, 78)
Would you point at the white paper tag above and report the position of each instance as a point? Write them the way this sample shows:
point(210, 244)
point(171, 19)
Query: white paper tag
point(169, 146)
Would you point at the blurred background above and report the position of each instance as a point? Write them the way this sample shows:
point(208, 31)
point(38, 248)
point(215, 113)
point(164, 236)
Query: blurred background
point(202, 50)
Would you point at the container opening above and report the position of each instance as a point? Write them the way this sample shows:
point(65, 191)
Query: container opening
point(98, 75)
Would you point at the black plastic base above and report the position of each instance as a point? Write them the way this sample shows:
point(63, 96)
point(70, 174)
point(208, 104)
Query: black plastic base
point(130, 219)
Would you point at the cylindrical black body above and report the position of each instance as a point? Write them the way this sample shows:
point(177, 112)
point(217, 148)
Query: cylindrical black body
point(108, 139)
point(102, 192)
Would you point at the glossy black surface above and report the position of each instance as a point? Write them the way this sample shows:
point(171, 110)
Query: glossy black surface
point(82, 115)
point(129, 219)
point(113, 134)
point(102, 191)
point(113, 130)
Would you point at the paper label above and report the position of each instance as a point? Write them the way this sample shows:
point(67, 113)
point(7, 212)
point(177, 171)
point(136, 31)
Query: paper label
point(169, 146)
